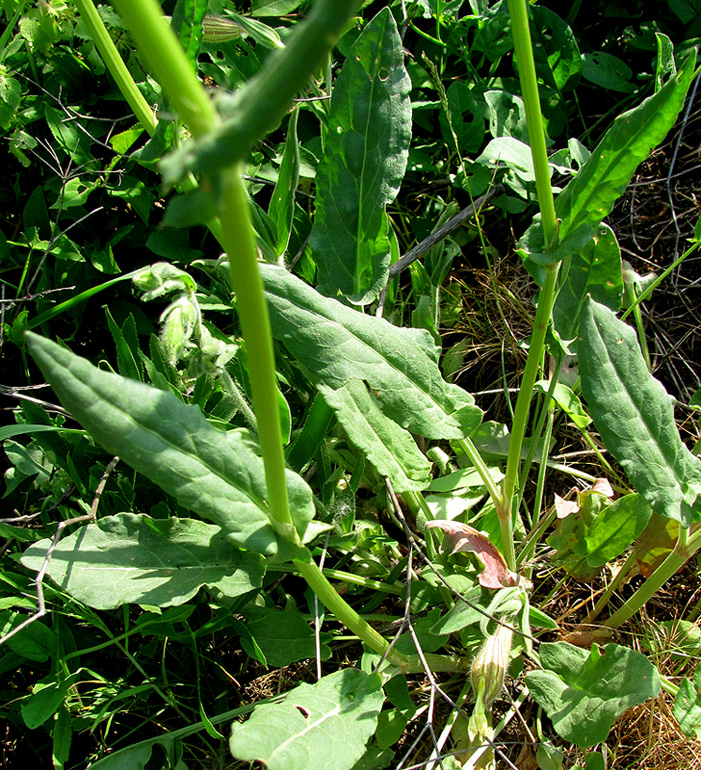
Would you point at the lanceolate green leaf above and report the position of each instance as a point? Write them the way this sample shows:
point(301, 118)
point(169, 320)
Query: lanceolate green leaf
point(215, 473)
point(282, 203)
point(323, 726)
point(589, 197)
point(132, 558)
point(365, 158)
point(388, 447)
point(635, 416)
point(585, 691)
point(336, 344)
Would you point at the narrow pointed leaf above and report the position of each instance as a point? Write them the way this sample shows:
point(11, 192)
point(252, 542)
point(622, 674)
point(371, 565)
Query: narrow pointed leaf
point(215, 473)
point(365, 157)
point(323, 726)
point(635, 416)
point(282, 203)
point(589, 197)
point(132, 558)
point(337, 344)
point(388, 447)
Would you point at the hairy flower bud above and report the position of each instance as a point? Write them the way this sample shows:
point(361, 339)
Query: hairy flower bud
point(217, 29)
point(490, 666)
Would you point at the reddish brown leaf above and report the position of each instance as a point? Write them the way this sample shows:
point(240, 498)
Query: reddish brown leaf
point(461, 537)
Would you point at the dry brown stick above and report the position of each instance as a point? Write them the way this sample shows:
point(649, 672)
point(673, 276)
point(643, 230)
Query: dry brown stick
point(435, 237)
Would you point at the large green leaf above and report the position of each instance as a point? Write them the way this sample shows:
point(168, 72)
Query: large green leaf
point(585, 691)
point(133, 559)
point(337, 344)
point(590, 196)
point(595, 270)
point(388, 447)
point(323, 726)
point(365, 157)
point(614, 529)
point(635, 416)
point(215, 473)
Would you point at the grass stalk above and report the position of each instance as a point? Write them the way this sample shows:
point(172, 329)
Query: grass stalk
point(115, 64)
point(687, 545)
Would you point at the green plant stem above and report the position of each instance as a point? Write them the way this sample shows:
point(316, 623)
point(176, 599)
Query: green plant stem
point(518, 11)
point(107, 50)
point(523, 402)
point(686, 546)
point(475, 457)
point(167, 62)
point(239, 241)
point(346, 614)
point(648, 291)
point(637, 315)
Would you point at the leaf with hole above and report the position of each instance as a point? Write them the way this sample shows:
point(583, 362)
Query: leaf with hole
point(322, 726)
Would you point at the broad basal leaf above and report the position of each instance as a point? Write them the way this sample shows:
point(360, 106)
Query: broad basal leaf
point(584, 692)
point(132, 558)
point(388, 447)
point(365, 157)
point(323, 726)
point(336, 344)
point(635, 416)
point(215, 473)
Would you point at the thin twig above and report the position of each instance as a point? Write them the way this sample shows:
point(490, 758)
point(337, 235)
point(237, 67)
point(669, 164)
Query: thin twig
point(39, 581)
point(431, 240)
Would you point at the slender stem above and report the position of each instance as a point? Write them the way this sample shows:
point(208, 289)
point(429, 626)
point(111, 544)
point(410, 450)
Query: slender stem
point(481, 467)
point(168, 63)
point(346, 614)
point(523, 402)
point(685, 548)
point(648, 291)
point(518, 11)
point(239, 241)
point(125, 82)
